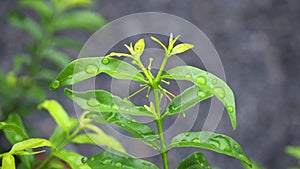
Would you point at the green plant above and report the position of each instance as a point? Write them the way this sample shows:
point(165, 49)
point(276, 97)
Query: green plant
point(46, 49)
point(294, 151)
point(68, 130)
point(104, 107)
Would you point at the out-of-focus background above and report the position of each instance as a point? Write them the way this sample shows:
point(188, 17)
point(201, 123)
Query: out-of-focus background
point(258, 43)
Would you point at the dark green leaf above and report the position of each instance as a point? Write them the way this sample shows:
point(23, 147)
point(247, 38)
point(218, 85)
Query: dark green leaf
point(196, 160)
point(26, 23)
point(108, 160)
point(210, 141)
point(136, 129)
point(186, 100)
point(207, 83)
point(72, 158)
point(58, 58)
point(22, 147)
point(66, 42)
point(103, 101)
point(82, 69)
point(42, 7)
point(88, 20)
point(293, 151)
point(101, 140)
point(59, 115)
point(13, 127)
point(8, 161)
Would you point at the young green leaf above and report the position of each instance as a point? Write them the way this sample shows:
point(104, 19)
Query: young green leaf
point(67, 4)
point(159, 42)
point(20, 21)
point(84, 68)
point(109, 160)
point(136, 129)
point(186, 100)
point(42, 7)
point(139, 47)
point(293, 151)
point(88, 20)
point(101, 140)
point(21, 59)
point(59, 115)
point(58, 58)
point(207, 82)
point(13, 127)
point(8, 161)
point(62, 42)
point(103, 101)
point(19, 148)
point(72, 158)
point(195, 160)
point(181, 48)
point(211, 141)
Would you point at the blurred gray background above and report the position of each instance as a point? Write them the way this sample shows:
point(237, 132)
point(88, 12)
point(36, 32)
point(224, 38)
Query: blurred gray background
point(258, 43)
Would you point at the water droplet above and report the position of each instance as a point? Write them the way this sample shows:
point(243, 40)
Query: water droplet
point(129, 122)
point(68, 92)
point(84, 159)
point(219, 91)
point(92, 159)
point(188, 76)
point(236, 146)
point(214, 81)
point(183, 140)
point(55, 84)
point(202, 164)
point(196, 140)
point(187, 134)
point(91, 69)
point(106, 161)
point(70, 76)
point(133, 120)
point(201, 94)
point(93, 102)
point(122, 125)
point(230, 109)
point(118, 164)
point(201, 80)
point(105, 61)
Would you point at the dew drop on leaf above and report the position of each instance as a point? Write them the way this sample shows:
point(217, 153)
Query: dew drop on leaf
point(229, 109)
point(55, 84)
point(219, 92)
point(187, 134)
point(196, 140)
point(70, 76)
point(91, 69)
point(236, 146)
point(83, 160)
point(105, 61)
point(106, 161)
point(214, 81)
point(201, 80)
point(118, 164)
point(201, 94)
point(188, 76)
point(93, 102)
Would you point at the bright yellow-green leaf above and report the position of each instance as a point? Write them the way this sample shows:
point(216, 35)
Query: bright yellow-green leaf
point(139, 47)
point(181, 48)
point(59, 115)
point(159, 42)
point(13, 127)
point(8, 161)
point(22, 146)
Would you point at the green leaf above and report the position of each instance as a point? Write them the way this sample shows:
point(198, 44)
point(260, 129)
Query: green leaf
point(136, 129)
point(15, 137)
point(254, 166)
point(196, 160)
point(72, 158)
point(58, 136)
point(181, 48)
point(42, 7)
point(101, 140)
point(66, 42)
point(20, 21)
point(8, 161)
point(19, 148)
point(186, 100)
point(84, 68)
point(293, 151)
point(87, 20)
point(67, 4)
point(58, 58)
point(210, 141)
point(109, 160)
point(59, 115)
point(13, 127)
point(159, 42)
point(21, 59)
point(207, 82)
point(103, 101)
point(139, 46)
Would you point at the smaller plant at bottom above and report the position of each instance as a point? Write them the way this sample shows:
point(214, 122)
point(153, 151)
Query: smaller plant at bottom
point(104, 107)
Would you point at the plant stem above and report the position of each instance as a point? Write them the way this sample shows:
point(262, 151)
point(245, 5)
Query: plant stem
point(163, 151)
point(163, 64)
